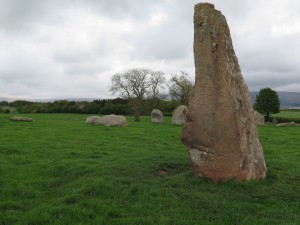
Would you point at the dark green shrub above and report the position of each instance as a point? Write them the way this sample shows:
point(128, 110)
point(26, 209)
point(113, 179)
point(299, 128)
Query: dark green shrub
point(287, 120)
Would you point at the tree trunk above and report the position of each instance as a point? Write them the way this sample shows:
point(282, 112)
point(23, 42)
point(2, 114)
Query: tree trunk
point(136, 107)
point(268, 117)
point(136, 117)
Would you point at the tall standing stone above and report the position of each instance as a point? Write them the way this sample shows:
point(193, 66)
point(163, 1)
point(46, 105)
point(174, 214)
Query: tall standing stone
point(220, 131)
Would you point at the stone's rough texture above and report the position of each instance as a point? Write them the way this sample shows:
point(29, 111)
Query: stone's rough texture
point(112, 121)
point(20, 118)
point(259, 118)
point(179, 115)
point(157, 116)
point(220, 131)
point(291, 124)
point(92, 119)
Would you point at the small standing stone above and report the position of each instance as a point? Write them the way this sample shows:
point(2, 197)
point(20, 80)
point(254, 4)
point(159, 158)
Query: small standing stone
point(179, 115)
point(157, 116)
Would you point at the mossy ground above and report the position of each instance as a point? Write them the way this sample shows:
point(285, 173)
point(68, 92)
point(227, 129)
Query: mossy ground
point(59, 170)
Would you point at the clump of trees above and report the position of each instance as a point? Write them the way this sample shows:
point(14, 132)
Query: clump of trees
point(7, 111)
point(118, 106)
point(104, 106)
point(267, 102)
point(139, 84)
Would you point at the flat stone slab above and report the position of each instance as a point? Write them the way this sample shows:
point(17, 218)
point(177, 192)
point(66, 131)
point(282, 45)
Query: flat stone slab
point(20, 118)
point(112, 121)
point(290, 124)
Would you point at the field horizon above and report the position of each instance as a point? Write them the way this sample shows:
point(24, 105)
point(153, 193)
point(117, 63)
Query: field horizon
point(287, 99)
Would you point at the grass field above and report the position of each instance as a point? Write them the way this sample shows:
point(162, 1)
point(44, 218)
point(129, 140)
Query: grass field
point(288, 114)
point(58, 170)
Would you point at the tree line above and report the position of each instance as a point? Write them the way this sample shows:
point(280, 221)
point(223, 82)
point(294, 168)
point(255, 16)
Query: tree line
point(116, 106)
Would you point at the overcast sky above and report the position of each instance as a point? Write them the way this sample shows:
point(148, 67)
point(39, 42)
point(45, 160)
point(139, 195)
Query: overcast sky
point(71, 48)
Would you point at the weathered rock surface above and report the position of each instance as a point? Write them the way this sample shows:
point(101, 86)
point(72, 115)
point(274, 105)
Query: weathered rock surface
point(220, 131)
point(92, 119)
point(20, 118)
point(289, 124)
point(259, 118)
point(179, 115)
point(157, 116)
point(112, 121)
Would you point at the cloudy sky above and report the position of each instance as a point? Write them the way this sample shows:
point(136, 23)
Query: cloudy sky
point(71, 48)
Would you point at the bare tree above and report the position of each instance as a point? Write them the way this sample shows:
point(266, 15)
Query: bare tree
point(120, 85)
point(157, 80)
point(180, 87)
point(135, 84)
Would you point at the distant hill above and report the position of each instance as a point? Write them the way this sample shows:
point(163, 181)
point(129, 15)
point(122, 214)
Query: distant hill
point(4, 99)
point(48, 100)
point(287, 99)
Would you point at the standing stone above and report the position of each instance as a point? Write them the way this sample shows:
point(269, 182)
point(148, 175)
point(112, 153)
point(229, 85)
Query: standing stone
point(220, 131)
point(259, 118)
point(179, 115)
point(157, 116)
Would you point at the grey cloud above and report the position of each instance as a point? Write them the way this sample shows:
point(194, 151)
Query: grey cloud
point(21, 16)
point(273, 63)
point(90, 69)
point(168, 42)
point(44, 55)
point(118, 9)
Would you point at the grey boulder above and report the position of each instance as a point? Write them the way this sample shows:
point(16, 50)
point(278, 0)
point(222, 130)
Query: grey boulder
point(112, 121)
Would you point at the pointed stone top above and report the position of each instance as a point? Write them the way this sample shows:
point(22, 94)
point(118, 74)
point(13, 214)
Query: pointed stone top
point(204, 5)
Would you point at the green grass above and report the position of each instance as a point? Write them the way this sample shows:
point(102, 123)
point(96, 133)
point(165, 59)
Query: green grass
point(59, 170)
point(288, 114)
